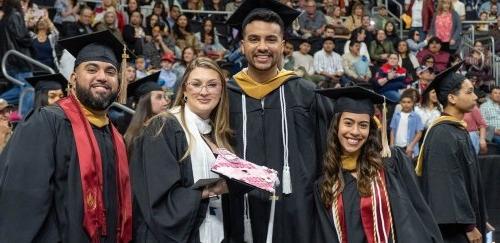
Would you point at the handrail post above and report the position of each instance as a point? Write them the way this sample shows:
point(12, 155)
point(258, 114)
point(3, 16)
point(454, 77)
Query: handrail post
point(24, 57)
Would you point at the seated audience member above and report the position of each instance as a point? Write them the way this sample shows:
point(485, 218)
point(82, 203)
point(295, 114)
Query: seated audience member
point(288, 62)
point(132, 5)
point(335, 19)
point(491, 112)
point(424, 76)
point(183, 35)
point(194, 5)
point(328, 64)
point(109, 22)
point(168, 78)
point(416, 42)
point(150, 23)
point(303, 59)
point(476, 126)
point(66, 14)
point(154, 50)
point(216, 5)
point(483, 16)
point(391, 35)
point(478, 62)
point(441, 58)
point(82, 26)
point(381, 18)
point(134, 34)
point(159, 11)
point(312, 22)
point(44, 43)
point(369, 28)
point(140, 67)
point(380, 48)
point(187, 56)
point(355, 65)
point(495, 33)
point(390, 79)
point(355, 20)
point(406, 126)
point(110, 5)
point(359, 35)
point(407, 60)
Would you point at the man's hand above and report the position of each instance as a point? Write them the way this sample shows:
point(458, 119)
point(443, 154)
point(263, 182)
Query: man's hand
point(409, 152)
point(474, 236)
point(483, 146)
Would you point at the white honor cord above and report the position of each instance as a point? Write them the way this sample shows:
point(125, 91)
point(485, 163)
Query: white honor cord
point(247, 236)
point(287, 182)
point(270, 225)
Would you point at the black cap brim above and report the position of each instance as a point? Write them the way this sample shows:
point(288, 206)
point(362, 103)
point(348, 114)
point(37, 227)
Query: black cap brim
point(287, 14)
point(48, 82)
point(144, 85)
point(445, 80)
point(353, 99)
point(78, 47)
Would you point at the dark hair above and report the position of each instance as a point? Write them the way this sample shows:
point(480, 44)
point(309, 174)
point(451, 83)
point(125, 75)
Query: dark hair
point(356, 32)
point(330, 26)
point(353, 42)
point(494, 87)
point(85, 7)
point(407, 48)
point(212, 31)
point(328, 39)
point(128, 10)
point(434, 39)
point(41, 98)
point(393, 28)
point(142, 113)
point(140, 14)
point(368, 164)
point(177, 31)
point(425, 100)
point(263, 15)
point(195, 53)
point(412, 94)
point(411, 34)
point(164, 13)
point(443, 97)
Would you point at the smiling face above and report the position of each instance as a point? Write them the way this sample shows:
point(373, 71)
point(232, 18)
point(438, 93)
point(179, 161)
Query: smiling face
point(262, 45)
point(203, 90)
point(54, 95)
point(96, 84)
point(353, 131)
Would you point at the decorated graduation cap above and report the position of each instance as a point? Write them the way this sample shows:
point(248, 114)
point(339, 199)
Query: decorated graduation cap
point(446, 81)
point(287, 14)
point(360, 100)
point(48, 82)
point(100, 46)
point(144, 85)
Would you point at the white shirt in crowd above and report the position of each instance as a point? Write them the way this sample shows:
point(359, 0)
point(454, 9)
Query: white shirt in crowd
point(427, 116)
point(401, 139)
point(306, 61)
point(328, 63)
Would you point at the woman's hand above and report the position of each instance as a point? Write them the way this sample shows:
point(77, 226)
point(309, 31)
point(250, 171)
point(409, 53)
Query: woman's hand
point(214, 190)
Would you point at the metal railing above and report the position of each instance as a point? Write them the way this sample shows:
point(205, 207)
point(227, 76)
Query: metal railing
point(123, 107)
point(25, 58)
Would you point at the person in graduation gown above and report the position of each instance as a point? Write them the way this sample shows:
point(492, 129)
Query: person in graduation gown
point(363, 196)
point(279, 122)
point(174, 151)
point(64, 173)
point(49, 88)
point(149, 99)
point(448, 170)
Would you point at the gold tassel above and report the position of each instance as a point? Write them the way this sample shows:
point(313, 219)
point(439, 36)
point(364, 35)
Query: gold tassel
point(386, 150)
point(122, 95)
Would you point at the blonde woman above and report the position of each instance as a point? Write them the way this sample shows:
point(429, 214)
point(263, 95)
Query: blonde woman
point(174, 151)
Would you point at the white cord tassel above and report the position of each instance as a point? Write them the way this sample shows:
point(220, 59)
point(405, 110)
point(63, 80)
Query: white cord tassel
point(287, 181)
point(270, 225)
point(247, 223)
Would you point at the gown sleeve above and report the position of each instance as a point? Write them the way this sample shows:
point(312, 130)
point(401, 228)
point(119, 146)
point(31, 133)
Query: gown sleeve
point(163, 197)
point(27, 166)
point(429, 229)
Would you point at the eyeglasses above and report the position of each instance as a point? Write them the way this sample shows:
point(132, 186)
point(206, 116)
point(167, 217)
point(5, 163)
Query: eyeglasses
point(211, 87)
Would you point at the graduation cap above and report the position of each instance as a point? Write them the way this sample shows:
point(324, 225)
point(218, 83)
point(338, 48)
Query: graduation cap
point(360, 100)
point(144, 85)
point(446, 81)
point(287, 14)
point(100, 46)
point(48, 82)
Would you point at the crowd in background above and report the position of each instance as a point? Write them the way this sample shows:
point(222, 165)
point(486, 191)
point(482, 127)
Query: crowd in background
point(333, 43)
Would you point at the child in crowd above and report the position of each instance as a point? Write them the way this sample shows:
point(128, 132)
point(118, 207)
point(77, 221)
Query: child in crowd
point(167, 77)
point(406, 126)
point(140, 67)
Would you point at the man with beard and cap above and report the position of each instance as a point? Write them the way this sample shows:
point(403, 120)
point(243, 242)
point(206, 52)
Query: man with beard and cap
point(447, 166)
point(278, 122)
point(64, 174)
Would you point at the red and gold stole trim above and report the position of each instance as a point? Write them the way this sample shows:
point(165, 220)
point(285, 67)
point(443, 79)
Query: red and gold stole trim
point(376, 214)
point(91, 173)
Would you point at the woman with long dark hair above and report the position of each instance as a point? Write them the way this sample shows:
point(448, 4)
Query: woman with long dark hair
point(149, 99)
point(391, 35)
point(132, 5)
point(368, 193)
point(188, 54)
point(49, 89)
point(173, 152)
point(183, 35)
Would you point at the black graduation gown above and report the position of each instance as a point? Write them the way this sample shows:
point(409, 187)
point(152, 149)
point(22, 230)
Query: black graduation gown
point(451, 181)
point(166, 209)
point(40, 186)
point(308, 116)
point(412, 219)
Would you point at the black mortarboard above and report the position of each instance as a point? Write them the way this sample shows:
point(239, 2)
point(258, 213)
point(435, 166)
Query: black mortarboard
point(144, 85)
point(48, 82)
point(98, 46)
point(287, 14)
point(446, 81)
point(353, 99)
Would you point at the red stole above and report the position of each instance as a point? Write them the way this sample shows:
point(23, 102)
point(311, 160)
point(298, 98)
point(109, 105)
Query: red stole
point(90, 161)
point(374, 231)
